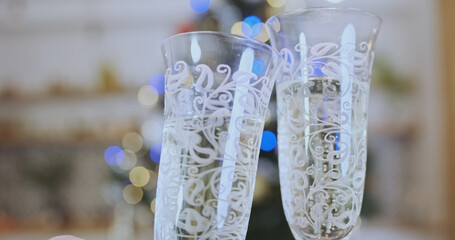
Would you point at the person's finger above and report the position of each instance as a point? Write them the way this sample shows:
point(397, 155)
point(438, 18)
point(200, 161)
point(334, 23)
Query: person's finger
point(66, 237)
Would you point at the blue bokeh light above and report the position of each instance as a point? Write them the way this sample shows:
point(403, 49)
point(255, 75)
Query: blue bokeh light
point(337, 140)
point(258, 66)
point(155, 153)
point(114, 155)
point(317, 67)
point(156, 83)
point(200, 6)
point(251, 26)
point(287, 58)
point(268, 141)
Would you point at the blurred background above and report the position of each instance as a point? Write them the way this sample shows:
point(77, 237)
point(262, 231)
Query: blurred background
point(81, 101)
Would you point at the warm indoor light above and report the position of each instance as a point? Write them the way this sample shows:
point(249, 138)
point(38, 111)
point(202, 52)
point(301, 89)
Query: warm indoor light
point(139, 176)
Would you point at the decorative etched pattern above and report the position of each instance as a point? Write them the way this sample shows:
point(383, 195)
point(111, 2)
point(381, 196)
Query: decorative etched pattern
point(213, 128)
point(322, 110)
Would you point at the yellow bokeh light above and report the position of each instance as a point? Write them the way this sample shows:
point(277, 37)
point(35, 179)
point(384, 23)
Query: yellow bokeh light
point(276, 3)
point(132, 194)
point(152, 205)
point(147, 96)
point(139, 176)
point(237, 29)
point(132, 141)
point(263, 36)
point(273, 11)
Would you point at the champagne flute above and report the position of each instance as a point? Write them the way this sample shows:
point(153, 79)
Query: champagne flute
point(322, 95)
point(217, 90)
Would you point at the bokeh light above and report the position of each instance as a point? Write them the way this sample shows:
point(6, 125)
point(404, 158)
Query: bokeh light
point(200, 6)
point(129, 161)
point(317, 67)
point(132, 141)
point(132, 194)
point(276, 3)
point(334, 1)
point(258, 66)
point(114, 155)
point(251, 26)
point(237, 29)
point(156, 83)
point(263, 36)
point(152, 132)
point(147, 96)
point(152, 205)
point(268, 141)
point(155, 153)
point(139, 176)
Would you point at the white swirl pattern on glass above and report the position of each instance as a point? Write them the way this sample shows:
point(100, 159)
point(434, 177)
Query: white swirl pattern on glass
point(322, 110)
point(205, 187)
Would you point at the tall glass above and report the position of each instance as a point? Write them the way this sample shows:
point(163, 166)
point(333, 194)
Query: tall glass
point(322, 99)
point(217, 90)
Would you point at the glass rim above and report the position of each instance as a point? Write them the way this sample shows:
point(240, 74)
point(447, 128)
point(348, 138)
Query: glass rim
point(347, 9)
point(223, 34)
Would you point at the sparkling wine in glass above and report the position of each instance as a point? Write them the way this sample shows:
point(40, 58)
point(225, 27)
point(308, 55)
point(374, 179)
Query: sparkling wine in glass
point(217, 90)
point(322, 95)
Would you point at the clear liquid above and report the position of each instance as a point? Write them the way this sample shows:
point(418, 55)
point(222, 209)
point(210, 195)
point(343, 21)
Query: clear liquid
point(322, 155)
point(206, 177)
